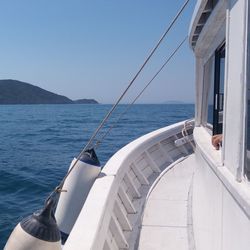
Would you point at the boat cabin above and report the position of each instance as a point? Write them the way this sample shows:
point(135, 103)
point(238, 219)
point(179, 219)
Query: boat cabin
point(219, 37)
point(166, 190)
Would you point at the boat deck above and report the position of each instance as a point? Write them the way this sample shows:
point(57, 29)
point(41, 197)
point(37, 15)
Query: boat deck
point(140, 197)
point(167, 220)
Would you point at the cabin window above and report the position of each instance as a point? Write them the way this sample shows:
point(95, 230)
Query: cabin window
point(219, 73)
point(210, 107)
point(214, 71)
point(208, 99)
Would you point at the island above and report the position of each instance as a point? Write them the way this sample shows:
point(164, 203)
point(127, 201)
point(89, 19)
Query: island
point(18, 92)
point(86, 101)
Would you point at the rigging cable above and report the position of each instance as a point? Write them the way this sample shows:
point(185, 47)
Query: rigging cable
point(135, 77)
point(59, 188)
point(98, 142)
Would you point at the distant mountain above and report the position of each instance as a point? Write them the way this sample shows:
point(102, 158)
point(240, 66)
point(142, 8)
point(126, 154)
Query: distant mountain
point(17, 92)
point(86, 101)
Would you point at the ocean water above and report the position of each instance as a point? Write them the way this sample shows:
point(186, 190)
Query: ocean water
point(38, 142)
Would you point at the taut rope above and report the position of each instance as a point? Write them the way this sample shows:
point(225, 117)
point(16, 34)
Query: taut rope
point(59, 188)
point(138, 96)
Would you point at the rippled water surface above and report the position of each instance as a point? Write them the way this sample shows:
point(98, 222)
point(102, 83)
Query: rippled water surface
point(38, 142)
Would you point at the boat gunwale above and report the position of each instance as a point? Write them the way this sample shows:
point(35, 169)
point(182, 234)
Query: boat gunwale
point(110, 178)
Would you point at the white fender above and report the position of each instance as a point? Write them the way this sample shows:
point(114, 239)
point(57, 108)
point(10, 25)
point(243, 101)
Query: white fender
point(77, 187)
point(20, 240)
point(37, 232)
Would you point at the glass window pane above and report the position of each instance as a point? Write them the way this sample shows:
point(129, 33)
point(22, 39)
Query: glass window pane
point(210, 111)
point(213, 99)
point(219, 77)
point(208, 99)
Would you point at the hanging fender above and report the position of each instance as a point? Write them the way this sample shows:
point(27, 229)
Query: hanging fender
point(37, 232)
point(75, 191)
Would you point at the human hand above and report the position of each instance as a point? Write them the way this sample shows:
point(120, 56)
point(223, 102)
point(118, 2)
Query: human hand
point(217, 141)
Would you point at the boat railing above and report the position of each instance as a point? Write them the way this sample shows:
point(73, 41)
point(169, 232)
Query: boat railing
point(111, 215)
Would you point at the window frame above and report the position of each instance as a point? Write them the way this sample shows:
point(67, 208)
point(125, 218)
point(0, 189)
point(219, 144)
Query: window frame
point(218, 97)
point(208, 92)
point(211, 89)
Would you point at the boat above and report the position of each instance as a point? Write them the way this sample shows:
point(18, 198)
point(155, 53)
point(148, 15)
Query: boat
point(172, 188)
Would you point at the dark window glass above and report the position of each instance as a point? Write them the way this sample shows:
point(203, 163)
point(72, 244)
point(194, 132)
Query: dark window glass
point(214, 2)
point(219, 90)
point(210, 109)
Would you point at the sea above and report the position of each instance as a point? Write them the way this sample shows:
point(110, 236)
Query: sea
point(38, 143)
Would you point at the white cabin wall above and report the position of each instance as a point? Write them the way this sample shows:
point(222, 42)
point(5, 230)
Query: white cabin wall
point(207, 188)
point(211, 37)
point(219, 222)
point(233, 123)
point(207, 207)
point(212, 33)
point(221, 203)
point(236, 225)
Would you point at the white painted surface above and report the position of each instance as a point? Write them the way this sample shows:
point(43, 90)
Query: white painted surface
point(195, 17)
point(236, 229)
point(234, 119)
point(221, 197)
point(20, 240)
point(165, 220)
point(111, 215)
point(164, 238)
point(76, 187)
point(212, 31)
point(207, 208)
point(221, 205)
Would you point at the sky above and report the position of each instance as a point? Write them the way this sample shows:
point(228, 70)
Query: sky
point(93, 48)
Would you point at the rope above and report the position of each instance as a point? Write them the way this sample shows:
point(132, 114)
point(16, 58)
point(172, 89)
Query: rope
point(143, 90)
point(59, 188)
point(135, 77)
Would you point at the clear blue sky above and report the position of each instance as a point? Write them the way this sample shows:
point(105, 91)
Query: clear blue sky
point(92, 48)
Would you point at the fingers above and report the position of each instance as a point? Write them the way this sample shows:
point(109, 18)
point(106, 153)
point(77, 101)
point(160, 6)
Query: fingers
point(216, 141)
